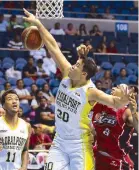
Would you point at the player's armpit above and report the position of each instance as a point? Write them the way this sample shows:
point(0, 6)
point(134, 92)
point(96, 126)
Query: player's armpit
point(103, 98)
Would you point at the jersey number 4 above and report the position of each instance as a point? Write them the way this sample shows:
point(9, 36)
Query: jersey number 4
point(63, 115)
point(10, 157)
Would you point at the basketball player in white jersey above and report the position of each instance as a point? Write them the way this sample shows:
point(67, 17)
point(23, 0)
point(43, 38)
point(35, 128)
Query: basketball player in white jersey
point(72, 146)
point(14, 135)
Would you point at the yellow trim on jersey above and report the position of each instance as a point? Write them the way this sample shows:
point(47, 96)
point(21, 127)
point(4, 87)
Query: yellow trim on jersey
point(87, 136)
point(11, 128)
point(88, 156)
point(74, 88)
point(85, 122)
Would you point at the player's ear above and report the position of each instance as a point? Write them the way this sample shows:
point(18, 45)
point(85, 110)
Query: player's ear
point(84, 74)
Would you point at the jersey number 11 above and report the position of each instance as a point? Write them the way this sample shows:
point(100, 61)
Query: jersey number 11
point(10, 157)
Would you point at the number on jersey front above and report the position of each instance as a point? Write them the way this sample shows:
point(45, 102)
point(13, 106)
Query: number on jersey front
point(10, 157)
point(63, 115)
point(106, 132)
point(49, 166)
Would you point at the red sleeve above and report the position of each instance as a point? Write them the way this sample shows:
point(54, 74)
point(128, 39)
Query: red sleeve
point(32, 143)
point(47, 139)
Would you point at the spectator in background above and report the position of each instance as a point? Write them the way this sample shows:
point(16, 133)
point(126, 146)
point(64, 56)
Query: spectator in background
point(71, 30)
point(82, 30)
point(38, 54)
point(20, 112)
point(34, 89)
point(112, 48)
point(98, 84)
point(93, 12)
point(95, 31)
point(12, 22)
point(29, 69)
point(32, 5)
point(102, 48)
point(16, 43)
point(49, 65)
point(122, 78)
point(14, 26)
point(40, 69)
point(2, 112)
point(20, 4)
point(107, 14)
point(23, 93)
point(57, 30)
point(36, 101)
point(12, 73)
point(9, 4)
point(3, 24)
point(44, 115)
point(47, 93)
point(7, 86)
point(38, 139)
point(106, 80)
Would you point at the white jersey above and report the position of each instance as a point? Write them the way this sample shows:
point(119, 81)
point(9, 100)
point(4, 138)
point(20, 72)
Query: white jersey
point(13, 142)
point(72, 111)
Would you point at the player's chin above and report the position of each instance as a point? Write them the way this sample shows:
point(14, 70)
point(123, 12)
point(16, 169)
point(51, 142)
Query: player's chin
point(15, 110)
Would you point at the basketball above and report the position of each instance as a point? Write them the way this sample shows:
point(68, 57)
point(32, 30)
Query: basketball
point(31, 38)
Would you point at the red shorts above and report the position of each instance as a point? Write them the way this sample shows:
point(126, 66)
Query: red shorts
point(104, 162)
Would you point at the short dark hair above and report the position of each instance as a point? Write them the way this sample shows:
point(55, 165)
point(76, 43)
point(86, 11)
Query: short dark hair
point(89, 66)
point(40, 61)
point(6, 84)
point(18, 81)
point(6, 93)
point(122, 69)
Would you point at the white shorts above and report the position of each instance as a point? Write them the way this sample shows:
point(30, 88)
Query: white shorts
point(70, 155)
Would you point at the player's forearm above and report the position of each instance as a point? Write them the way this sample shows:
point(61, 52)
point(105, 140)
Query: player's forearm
point(135, 120)
point(48, 39)
point(24, 159)
point(105, 99)
point(118, 102)
point(53, 49)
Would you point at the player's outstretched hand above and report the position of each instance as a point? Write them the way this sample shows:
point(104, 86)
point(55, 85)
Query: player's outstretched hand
point(30, 17)
point(132, 104)
point(83, 50)
point(127, 93)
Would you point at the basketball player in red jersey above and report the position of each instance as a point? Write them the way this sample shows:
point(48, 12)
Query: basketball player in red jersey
point(113, 127)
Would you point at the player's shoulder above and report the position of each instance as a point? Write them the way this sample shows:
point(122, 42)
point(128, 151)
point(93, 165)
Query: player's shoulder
point(1, 119)
point(23, 122)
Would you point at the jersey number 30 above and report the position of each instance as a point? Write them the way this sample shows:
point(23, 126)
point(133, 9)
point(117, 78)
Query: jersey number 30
point(63, 115)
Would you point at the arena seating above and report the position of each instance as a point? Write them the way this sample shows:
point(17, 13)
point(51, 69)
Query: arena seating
point(78, 7)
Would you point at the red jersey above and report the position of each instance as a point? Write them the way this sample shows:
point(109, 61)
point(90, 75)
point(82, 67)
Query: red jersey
point(111, 136)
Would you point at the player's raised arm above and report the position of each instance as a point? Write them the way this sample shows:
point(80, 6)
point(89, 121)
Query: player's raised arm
point(50, 43)
point(112, 101)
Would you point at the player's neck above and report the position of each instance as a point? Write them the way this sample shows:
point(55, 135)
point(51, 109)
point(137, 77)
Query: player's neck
point(12, 120)
point(77, 83)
